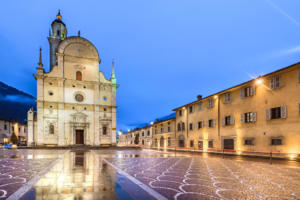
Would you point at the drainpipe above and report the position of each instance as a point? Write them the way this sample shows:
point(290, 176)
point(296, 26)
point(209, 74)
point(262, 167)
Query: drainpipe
point(187, 126)
point(219, 122)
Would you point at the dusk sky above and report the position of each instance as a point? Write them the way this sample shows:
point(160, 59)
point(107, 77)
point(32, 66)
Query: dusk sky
point(166, 52)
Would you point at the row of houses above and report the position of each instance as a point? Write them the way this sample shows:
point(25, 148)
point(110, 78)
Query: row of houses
point(259, 116)
point(8, 127)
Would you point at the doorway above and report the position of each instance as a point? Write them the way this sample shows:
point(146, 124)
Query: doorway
point(181, 141)
point(79, 137)
point(228, 143)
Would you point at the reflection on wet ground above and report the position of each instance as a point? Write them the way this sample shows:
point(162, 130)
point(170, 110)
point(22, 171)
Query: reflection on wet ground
point(143, 174)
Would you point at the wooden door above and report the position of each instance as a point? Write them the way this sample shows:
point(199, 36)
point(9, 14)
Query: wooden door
point(79, 137)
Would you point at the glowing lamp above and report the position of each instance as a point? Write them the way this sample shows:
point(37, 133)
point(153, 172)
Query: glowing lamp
point(258, 82)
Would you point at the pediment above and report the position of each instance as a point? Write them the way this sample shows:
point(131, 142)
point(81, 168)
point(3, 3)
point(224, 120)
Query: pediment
point(79, 117)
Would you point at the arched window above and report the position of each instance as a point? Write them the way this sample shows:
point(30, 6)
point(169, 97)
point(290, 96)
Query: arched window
point(51, 129)
point(78, 76)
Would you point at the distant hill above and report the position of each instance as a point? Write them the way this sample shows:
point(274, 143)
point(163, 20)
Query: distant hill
point(14, 103)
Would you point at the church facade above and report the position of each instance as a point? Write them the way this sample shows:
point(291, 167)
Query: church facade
point(76, 104)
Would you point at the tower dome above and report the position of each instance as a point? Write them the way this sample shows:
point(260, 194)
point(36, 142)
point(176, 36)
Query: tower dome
point(57, 34)
point(59, 29)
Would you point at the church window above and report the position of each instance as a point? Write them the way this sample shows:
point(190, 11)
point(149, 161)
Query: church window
point(104, 98)
point(79, 97)
point(104, 130)
point(78, 76)
point(51, 129)
point(50, 93)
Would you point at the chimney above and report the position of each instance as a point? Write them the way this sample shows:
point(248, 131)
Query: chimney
point(199, 97)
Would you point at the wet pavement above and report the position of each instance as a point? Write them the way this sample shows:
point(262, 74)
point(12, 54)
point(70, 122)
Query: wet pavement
point(142, 174)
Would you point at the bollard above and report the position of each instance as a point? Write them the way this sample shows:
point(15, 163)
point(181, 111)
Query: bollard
point(271, 158)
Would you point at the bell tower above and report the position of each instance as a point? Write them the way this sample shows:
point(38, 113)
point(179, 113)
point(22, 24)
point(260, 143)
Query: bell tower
point(57, 33)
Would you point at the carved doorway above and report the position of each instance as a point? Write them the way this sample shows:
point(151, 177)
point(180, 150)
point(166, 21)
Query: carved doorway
point(79, 136)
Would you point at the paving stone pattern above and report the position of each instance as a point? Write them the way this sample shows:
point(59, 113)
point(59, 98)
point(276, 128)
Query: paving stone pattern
point(213, 178)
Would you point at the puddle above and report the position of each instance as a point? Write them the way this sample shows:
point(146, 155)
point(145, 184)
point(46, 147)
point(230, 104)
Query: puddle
point(83, 175)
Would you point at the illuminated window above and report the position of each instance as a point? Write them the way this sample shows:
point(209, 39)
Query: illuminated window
point(78, 76)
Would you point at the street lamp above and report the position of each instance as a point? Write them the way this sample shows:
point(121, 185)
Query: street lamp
point(258, 82)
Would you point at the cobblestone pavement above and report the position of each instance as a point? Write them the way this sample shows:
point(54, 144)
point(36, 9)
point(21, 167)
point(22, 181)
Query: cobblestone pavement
point(212, 177)
point(18, 167)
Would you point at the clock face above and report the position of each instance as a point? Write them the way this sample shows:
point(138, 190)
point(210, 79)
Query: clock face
point(79, 97)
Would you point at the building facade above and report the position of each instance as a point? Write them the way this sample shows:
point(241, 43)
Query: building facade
point(261, 115)
point(257, 117)
point(138, 136)
point(164, 132)
point(7, 128)
point(76, 104)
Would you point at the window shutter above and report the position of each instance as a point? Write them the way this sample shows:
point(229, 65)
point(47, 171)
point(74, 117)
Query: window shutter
point(207, 123)
point(283, 111)
point(214, 122)
point(202, 124)
point(272, 83)
point(252, 90)
point(232, 120)
point(254, 116)
point(223, 121)
point(243, 118)
point(268, 114)
point(242, 93)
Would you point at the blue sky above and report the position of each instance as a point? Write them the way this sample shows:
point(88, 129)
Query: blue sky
point(166, 51)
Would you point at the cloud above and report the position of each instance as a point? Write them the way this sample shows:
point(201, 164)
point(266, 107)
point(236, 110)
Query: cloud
point(16, 98)
point(276, 7)
point(284, 52)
